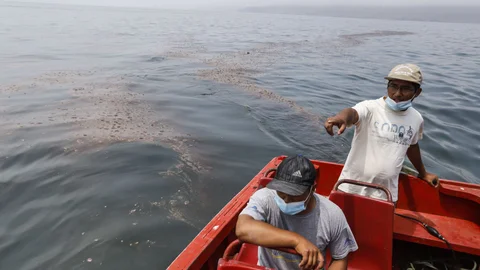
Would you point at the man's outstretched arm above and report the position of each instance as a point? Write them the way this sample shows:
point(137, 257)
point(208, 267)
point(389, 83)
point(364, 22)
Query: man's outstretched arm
point(342, 120)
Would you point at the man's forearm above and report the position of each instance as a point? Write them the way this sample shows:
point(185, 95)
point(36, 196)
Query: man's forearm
point(349, 115)
point(263, 234)
point(338, 264)
point(413, 154)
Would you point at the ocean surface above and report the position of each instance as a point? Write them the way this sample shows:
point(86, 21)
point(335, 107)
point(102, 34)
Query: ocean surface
point(124, 131)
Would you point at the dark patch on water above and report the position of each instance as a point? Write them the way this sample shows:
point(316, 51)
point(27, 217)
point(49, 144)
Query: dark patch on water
point(378, 34)
point(157, 59)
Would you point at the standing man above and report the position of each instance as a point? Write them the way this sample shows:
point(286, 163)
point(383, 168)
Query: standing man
point(386, 129)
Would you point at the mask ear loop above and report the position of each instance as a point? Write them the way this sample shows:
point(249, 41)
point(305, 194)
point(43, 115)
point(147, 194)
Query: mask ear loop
point(414, 94)
point(310, 195)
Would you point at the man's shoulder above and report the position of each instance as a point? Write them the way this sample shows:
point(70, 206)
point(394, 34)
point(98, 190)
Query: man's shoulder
point(415, 114)
point(369, 103)
point(329, 207)
point(263, 193)
point(259, 204)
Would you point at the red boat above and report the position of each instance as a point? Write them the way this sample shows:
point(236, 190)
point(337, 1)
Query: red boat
point(388, 237)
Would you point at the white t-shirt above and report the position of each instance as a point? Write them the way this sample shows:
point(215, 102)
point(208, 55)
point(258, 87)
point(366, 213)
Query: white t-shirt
point(382, 138)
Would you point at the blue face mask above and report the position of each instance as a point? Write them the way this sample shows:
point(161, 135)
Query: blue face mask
point(400, 106)
point(292, 208)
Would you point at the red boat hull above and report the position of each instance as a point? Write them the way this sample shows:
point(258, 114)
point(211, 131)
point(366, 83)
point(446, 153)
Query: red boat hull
point(453, 209)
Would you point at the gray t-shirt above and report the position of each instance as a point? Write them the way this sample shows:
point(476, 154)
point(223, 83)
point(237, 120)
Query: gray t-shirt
point(324, 226)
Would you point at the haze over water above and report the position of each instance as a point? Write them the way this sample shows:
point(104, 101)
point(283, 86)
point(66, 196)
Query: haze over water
point(124, 130)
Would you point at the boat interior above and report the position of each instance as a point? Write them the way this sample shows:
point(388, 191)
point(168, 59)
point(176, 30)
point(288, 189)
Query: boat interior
point(401, 236)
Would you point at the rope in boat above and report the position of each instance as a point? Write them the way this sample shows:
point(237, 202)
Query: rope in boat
point(432, 231)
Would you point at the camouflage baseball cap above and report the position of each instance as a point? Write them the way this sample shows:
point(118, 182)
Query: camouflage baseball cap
point(406, 72)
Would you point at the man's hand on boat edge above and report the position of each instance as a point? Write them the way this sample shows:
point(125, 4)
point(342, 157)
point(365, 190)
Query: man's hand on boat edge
point(312, 258)
point(263, 234)
point(430, 178)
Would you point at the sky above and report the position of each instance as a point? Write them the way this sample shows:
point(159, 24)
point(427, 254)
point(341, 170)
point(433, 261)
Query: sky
point(245, 3)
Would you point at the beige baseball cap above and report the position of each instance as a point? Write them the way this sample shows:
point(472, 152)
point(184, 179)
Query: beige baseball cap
point(406, 72)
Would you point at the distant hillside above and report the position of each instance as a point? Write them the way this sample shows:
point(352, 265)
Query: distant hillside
point(418, 13)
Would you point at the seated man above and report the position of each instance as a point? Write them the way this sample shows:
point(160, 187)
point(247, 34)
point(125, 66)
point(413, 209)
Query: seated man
point(288, 213)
